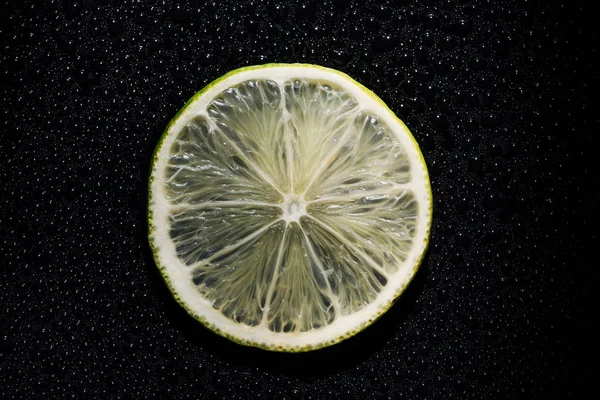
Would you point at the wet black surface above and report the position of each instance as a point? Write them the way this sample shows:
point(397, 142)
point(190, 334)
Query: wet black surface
point(498, 95)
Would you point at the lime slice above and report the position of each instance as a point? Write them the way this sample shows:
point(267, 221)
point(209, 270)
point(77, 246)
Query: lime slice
point(289, 207)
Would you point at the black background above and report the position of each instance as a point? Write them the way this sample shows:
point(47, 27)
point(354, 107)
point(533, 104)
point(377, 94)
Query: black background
point(497, 93)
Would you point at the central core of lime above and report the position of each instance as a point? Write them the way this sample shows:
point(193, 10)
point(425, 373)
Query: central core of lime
point(293, 207)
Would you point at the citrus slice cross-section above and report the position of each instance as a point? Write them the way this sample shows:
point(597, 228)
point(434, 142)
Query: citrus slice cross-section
point(289, 207)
